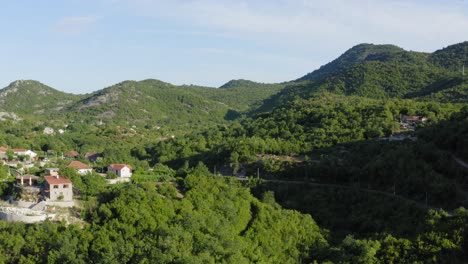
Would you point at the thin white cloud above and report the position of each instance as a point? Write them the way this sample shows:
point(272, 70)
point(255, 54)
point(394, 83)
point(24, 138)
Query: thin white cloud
point(413, 24)
point(75, 25)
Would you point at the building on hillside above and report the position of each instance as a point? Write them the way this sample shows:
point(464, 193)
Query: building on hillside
point(410, 122)
point(413, 119)
point(25, 152)
point(26, 180)
point(92, 157)
point(51, 171)
point(48, 131)
point(71, 154)
point(122, 170)
point(57, 188)
point(3, 152)
point(80, 167)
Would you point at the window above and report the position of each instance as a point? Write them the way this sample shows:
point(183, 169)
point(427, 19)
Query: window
point(55, 186)
point(65, 186)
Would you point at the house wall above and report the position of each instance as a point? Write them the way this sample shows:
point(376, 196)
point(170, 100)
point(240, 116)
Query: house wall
point(85, 171)
point(51, 172)
point(55, 193)
point(125, 172)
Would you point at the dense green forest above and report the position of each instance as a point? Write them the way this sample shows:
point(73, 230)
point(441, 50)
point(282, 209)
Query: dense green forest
point(318, 170)
point(219, 221)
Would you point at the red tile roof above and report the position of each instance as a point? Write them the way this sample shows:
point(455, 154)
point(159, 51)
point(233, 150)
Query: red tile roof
point(119, 166)
point(71, 153)
point(78, 165)
point(19, 150)
point(27, 177)
point(56, 180)
point(3, 149)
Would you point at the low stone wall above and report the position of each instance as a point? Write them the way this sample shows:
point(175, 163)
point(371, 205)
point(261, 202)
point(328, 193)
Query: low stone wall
point(118, 180)
point(24, 215)
point(60, 204)
point(23, 204)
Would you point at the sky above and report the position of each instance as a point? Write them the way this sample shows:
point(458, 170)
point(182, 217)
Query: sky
point(80, 46)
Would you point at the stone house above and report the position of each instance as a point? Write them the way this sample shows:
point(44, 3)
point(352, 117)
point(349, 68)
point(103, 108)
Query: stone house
point(122, 170)
point(80, 167)
point(57, 188)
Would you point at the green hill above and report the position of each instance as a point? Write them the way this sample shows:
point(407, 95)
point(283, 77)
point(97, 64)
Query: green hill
point(355, 55)
point(149, 102)
point(384, 71)
point(451, 57)
point(241, 95)
point(28, 97)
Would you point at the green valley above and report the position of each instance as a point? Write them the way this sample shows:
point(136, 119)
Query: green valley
point(362, 161)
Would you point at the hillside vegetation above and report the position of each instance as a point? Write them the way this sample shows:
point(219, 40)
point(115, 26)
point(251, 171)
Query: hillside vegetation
point(327, 172)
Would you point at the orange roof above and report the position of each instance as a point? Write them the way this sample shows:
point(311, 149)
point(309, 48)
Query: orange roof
point(56, 180)
point(78, 165)
point(3, 149)
point(19, 150)
point(27, 177)
point(119, 166)
point(71, 153)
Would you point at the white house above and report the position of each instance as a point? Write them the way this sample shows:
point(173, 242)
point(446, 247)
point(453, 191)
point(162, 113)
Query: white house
point(80, 167)
point(48, 131)
point(122, 170)
point(25, 152)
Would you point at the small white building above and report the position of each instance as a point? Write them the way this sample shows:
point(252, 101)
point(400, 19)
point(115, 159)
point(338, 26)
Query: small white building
point(48, 131)
point(122, 170)
point(25, 152)
point(80, 167)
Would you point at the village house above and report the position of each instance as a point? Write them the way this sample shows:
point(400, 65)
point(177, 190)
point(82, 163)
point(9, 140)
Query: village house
point(48, 131)
point(410, 122)
point(57, 188)
point(26, 180)
point(25, 152)
point(122, 170)
point(71, 154)
point(80, 167)
point(52, 171)
point(413, 119)
point(3, 151)
point(93, 156)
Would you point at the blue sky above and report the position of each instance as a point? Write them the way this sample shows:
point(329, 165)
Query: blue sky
point(80, 46)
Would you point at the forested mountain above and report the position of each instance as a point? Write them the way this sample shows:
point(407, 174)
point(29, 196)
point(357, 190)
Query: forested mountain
point(28, 97)
point(382, 71)
point(375, 71)
point(149, 102)
point(242, 95)
point(355, 55)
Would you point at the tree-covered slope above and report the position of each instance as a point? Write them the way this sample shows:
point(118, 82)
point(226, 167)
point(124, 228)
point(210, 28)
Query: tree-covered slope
point(452, 57)
point(148, 102)
point(28, 97)
point(383, 71)
point(241, 95)
point(355, 55)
